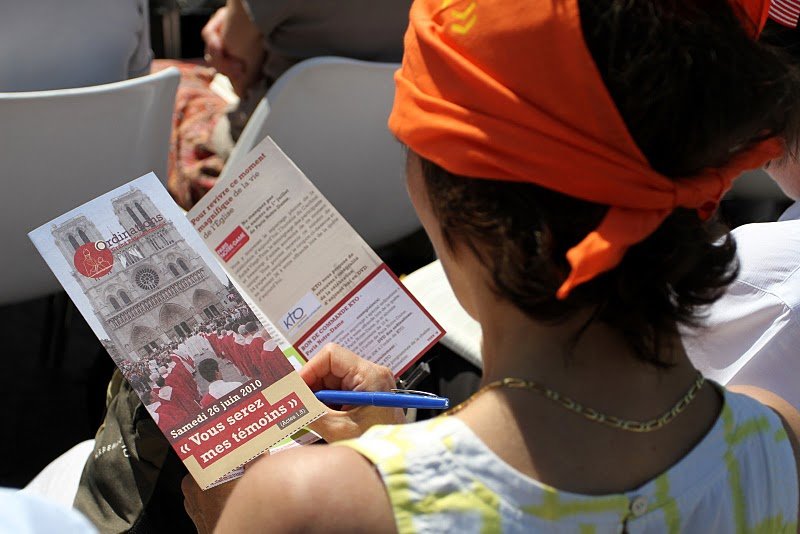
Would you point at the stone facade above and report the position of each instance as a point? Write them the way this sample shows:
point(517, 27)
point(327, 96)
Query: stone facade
point(158, 290)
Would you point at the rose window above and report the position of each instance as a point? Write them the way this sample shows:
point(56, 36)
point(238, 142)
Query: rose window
point(147, 279)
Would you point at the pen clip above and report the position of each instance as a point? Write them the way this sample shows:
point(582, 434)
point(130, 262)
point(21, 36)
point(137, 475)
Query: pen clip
point(414, 392)
point(414, 376)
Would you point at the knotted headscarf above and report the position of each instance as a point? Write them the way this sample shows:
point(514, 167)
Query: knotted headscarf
point(509, 91)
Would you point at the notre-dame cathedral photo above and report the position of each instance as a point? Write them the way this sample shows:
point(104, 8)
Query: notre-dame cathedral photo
point(159, 289)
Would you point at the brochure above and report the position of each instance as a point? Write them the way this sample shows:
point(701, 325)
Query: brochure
point(211, 341)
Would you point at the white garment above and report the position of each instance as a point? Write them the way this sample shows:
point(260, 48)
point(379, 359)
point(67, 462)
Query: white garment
point(753, 334)
point(52, 44)
point(153, 409)
point(165, 393)
point(220, 388)
point(203, 346)
point(23, 513)
point(270, 344)
point(183, 350)
point(440, 477)
point(192, 345)
point(58, 481)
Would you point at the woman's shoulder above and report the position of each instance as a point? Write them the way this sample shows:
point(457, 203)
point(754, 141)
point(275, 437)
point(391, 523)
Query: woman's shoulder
point(309, 489)
point(744, 461)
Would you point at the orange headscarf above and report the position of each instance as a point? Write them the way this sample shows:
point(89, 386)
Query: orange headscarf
point(509, 91)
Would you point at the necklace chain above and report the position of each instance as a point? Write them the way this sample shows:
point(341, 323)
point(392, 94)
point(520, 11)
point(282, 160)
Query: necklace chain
point(589, 413)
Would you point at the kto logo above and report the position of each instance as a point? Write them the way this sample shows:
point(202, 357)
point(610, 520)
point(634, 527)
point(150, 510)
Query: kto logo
point(93, 260)
point(291, 318)
point(300, 312)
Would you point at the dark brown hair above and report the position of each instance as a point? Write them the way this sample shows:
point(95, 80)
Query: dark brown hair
point(693, 89)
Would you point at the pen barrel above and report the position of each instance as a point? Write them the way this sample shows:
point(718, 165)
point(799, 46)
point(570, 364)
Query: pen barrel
point(382, 398)
point(405, 400)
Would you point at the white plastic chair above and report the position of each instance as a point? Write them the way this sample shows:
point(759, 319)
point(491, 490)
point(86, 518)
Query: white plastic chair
point(59, 149)
point(329, 115)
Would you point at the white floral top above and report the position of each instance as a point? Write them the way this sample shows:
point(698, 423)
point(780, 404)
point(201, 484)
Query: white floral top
point(441, 477)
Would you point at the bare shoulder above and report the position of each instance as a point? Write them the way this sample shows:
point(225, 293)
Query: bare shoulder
point(310, 489)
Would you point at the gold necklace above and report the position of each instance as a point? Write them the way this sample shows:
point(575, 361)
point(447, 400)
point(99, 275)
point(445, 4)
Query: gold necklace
point(589, 413)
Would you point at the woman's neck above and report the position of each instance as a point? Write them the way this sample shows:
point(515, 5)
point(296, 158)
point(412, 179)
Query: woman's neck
point(593, 364)
point(595, 367)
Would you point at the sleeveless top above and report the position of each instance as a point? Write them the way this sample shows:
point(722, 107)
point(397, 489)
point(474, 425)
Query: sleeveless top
point(440, 477)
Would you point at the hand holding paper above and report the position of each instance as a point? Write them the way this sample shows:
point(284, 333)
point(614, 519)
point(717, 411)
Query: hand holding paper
point(217, 337)
point(335, 367)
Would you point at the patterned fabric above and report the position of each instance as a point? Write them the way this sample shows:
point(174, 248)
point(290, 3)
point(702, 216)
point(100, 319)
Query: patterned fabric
point(441, 477)
point(194, 163)
point(785, 12)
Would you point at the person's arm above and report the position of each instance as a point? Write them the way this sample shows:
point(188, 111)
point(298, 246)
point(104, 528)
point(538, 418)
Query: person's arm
point(234, 45)
point(788, 414)
point(291, 490)
point(772, 361)
point(310, 489)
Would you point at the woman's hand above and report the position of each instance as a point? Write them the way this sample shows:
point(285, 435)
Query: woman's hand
point(335, 367)
point(205, 507)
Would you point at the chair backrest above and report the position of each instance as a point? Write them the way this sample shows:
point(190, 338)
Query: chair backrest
point(59, 149)
point(329, 115)
point(756, 185)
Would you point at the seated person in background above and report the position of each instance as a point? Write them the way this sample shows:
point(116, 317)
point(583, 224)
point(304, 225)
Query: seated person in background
point(570, 213)
point(56, 45)
point(217, 387)
point(753, 331)
point(253, 42)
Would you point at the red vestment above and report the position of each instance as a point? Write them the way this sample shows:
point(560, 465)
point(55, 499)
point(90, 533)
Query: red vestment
point(207, 400)
point(272, 365)
point(184, 392)
point(231, 350)
point(170, 415)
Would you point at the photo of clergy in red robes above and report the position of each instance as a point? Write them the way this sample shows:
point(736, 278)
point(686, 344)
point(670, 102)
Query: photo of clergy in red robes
point(207, 360)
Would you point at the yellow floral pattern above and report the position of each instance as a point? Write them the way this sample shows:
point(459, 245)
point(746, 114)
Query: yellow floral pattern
point(441, 478)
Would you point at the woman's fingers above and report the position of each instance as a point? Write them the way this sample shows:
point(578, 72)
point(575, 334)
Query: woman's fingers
point(335, 367)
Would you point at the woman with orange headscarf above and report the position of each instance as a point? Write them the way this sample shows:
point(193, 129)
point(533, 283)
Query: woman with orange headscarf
point(565, 157)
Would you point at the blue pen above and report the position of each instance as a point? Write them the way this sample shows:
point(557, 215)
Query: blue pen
point(397, 398)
